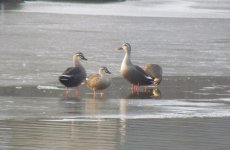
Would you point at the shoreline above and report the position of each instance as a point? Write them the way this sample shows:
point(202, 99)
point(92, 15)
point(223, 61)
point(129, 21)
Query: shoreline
point(173, 9)
point(116, 16)
point(172, 87)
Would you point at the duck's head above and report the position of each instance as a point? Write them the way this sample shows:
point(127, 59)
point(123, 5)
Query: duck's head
point(126, 47)
point(79, 56)
point(103, 70)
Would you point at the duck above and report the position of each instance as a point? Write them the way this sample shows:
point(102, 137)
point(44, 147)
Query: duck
point(99, 81)
point(156, 93)
point(133, 73)
point(154, 71)
point(75, 75)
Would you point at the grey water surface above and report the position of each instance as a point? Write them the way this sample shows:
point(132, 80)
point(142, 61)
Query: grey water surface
point(189, 110)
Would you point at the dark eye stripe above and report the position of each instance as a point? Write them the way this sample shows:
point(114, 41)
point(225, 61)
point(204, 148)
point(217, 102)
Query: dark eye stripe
point(79, 54)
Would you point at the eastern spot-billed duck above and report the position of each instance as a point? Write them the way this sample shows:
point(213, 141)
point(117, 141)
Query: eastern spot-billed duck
point(99, 81)
point(74, 76)
point(133, 73)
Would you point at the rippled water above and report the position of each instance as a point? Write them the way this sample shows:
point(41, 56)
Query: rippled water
point(189, 110)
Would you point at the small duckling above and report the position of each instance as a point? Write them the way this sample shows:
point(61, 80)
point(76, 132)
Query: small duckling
point(99, 81)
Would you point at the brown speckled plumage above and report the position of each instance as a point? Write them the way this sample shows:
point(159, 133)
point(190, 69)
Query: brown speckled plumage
point(99, 81)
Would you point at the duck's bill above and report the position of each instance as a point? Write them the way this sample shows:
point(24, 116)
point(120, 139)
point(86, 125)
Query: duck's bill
point(108, 72)
point(83, 58)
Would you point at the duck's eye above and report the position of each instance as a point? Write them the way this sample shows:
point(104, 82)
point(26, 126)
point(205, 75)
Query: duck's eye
point(79, 53)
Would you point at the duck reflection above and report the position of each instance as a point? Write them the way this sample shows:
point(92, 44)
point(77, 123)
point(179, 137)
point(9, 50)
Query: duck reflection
point(156, 93)
point(85, 132)
point(71, 105)
point(147, 94)
point(77, 99)
point(93, 111)
point(93, 106)
point(122, 129)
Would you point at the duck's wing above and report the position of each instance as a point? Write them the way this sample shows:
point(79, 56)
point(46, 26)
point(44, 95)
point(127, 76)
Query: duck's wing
point(73, 76)
point(157, 70)
point(93, 76)
point(75, 72)
point(93, 79)
point(137, 75)
point(143, 72)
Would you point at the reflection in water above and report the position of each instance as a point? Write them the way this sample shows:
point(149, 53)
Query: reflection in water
point(60, 135)
point(71, 99)
point(109, 124)
point(65, 130)
point(93, 106)
point(149, 94)
point(122, 129)
point(106, 128)
point(139, 95)
point(70, 105)
point(156, 92)
point(141, 134)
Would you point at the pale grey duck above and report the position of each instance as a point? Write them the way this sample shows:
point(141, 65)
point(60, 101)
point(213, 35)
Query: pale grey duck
point(133, 73)
point(74, 76)
point(154, 71)
point(99, 81)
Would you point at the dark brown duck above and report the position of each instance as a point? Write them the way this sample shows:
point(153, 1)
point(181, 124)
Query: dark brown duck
point(74, 76)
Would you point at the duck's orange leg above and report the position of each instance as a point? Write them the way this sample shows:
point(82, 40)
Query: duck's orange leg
point(133, 88)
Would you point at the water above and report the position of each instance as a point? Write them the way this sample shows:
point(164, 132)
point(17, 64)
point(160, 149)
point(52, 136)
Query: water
point(189, 110)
